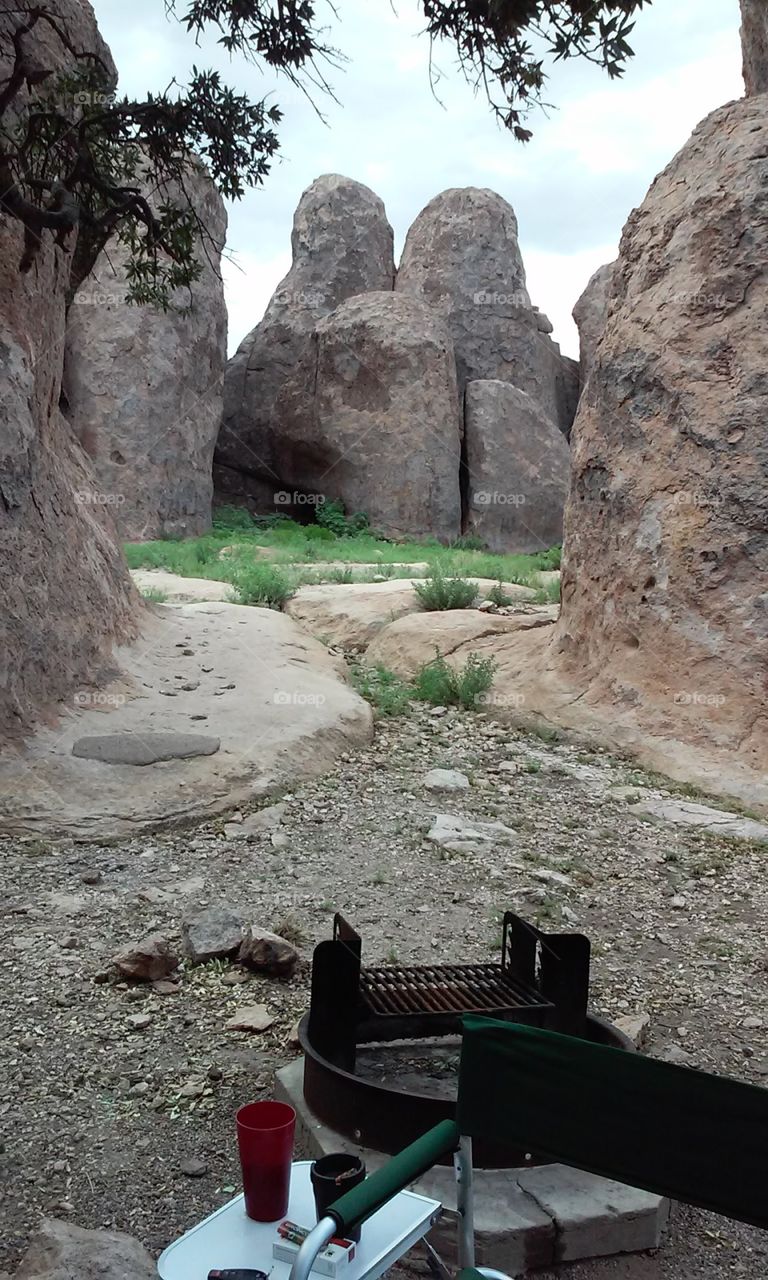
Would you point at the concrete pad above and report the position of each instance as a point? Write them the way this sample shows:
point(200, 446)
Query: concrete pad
point(276, 699)
point(524, 1218)
point(351, 614)
point(595, 1217)
point(178, 590)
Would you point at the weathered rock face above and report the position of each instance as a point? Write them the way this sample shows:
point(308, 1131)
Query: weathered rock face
point(382, 430)
point(462, 257)
point(342, 245)
point(665, 582)
point(144, 388)
point(61, 1250)
point(517, 464)
point(591, 313)
point(65, 589)
point(754, 45)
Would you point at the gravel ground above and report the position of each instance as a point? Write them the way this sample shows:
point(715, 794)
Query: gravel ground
point(100, 1109)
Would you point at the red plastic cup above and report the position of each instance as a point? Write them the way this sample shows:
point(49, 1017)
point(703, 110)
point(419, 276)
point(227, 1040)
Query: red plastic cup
point(265, 1139)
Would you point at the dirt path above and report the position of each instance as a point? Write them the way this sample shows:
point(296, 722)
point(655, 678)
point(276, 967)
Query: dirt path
point(98, 1113)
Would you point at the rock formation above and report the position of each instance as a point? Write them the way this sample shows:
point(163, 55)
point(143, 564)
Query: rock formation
point(61, 1250)
point(754, 45)
point(382, 428)
point(665, 578)
point(462, 256)
point(342, 245)
point(65, 590)
point(144, 388)
point(517, 466)
point(590, 314)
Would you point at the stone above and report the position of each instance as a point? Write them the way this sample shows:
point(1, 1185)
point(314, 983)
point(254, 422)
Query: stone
point(342, 245)
point(352, 614)
point(152, 437)
point(381, 429)
point(675, 1054)
point(61, 1251)
point(65, 589)
point(145, 961)
point(754, 45)
point(518, 464)
point(405, 645)
point(591, 313)
point(664, 614)
point(178, 590)
point(266, 952)
point(717, 821)
point(253, 1017)
point(266, 819)
point(214, 933)
point(458, 835)
point(595, 1216)
point(139, 1021)
point(446, 780)
point(144, 748)
point(462, 257)
point(635, 1026)
point(291, 713)
point(192, 1168)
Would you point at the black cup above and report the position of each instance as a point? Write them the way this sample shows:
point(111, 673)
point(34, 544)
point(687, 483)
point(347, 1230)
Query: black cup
point(332, 1176)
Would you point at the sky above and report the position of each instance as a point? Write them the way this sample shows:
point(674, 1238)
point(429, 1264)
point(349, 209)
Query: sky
point(590, 162)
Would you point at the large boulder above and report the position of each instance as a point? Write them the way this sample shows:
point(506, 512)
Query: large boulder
point(381, 429)
point(754, 45)
point(342, 245)
point(462, 257)
point(517, 467)
point(144, 387)
point(665, 576)
point(65, 589)
point(590, 314)
point(61, 1251)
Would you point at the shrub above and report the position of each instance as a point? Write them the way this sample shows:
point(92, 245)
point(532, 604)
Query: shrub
point(498, 596)
point(441, 685)
point(229, 519)
point(549, 592)
point(469, 542)
point(386, 692)
point(318, 533)
point(261, 584)
point(439, 592)
point(153, 595)
point(331, 515)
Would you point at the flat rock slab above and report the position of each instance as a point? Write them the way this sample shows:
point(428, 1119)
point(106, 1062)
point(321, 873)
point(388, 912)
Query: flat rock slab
point(352, 614)
point(277, 701)
point(718, 822)
point(524, 1218)
point(178, 590)
point(144, 748)
point(405, 644)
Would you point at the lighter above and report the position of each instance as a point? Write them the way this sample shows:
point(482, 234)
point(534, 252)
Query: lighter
point(238, 1273)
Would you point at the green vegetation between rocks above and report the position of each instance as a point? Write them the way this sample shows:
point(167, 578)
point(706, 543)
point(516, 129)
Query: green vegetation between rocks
point(436, 683)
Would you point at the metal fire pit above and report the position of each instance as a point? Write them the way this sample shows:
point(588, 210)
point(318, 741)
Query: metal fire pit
point(361, 1018)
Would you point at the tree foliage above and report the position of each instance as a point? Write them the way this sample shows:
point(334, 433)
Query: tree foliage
point(76, 156)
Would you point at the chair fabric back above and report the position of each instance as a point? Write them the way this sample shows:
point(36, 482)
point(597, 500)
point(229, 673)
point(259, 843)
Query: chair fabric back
point(671, 1130)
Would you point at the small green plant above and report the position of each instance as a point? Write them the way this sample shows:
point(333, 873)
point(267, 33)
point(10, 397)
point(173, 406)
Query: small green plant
point(441, 685)
point(261, 584)
point(331, 515)
point(548, 592)
point(469, 542)
point(153, 595)
point(440, 592)
point(532, 766)
point(498, 596)
point(386, 692)
point(229, 519)
point(340, 575)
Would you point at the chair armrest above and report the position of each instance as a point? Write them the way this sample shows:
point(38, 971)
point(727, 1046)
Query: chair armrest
point(364, 1200)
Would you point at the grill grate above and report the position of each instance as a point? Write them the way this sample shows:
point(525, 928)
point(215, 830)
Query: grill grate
point(471, 988)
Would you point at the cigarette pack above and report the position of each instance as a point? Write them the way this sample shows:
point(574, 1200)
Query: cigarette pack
point(331, 1261)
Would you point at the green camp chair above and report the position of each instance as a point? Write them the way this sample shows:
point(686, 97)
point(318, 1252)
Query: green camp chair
point(669, 1130)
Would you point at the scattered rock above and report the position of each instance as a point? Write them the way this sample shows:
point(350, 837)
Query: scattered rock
point(214, 933)
point(91, 877)
point(267, 952)
point(145, 961)
point(676, 1054)
point(193, 1168)
point(255, 824)
point(62, 1251)
point(635, 1026)
point(446, 780)
point(253, 1017)
point(459, 835)
point(139, 1021)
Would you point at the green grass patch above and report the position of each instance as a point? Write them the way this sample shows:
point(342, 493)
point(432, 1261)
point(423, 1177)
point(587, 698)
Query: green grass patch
point(386, 692)
point(442, 686)
point(439, 592)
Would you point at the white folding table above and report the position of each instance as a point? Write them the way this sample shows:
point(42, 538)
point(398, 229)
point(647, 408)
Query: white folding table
point(228, 1238)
